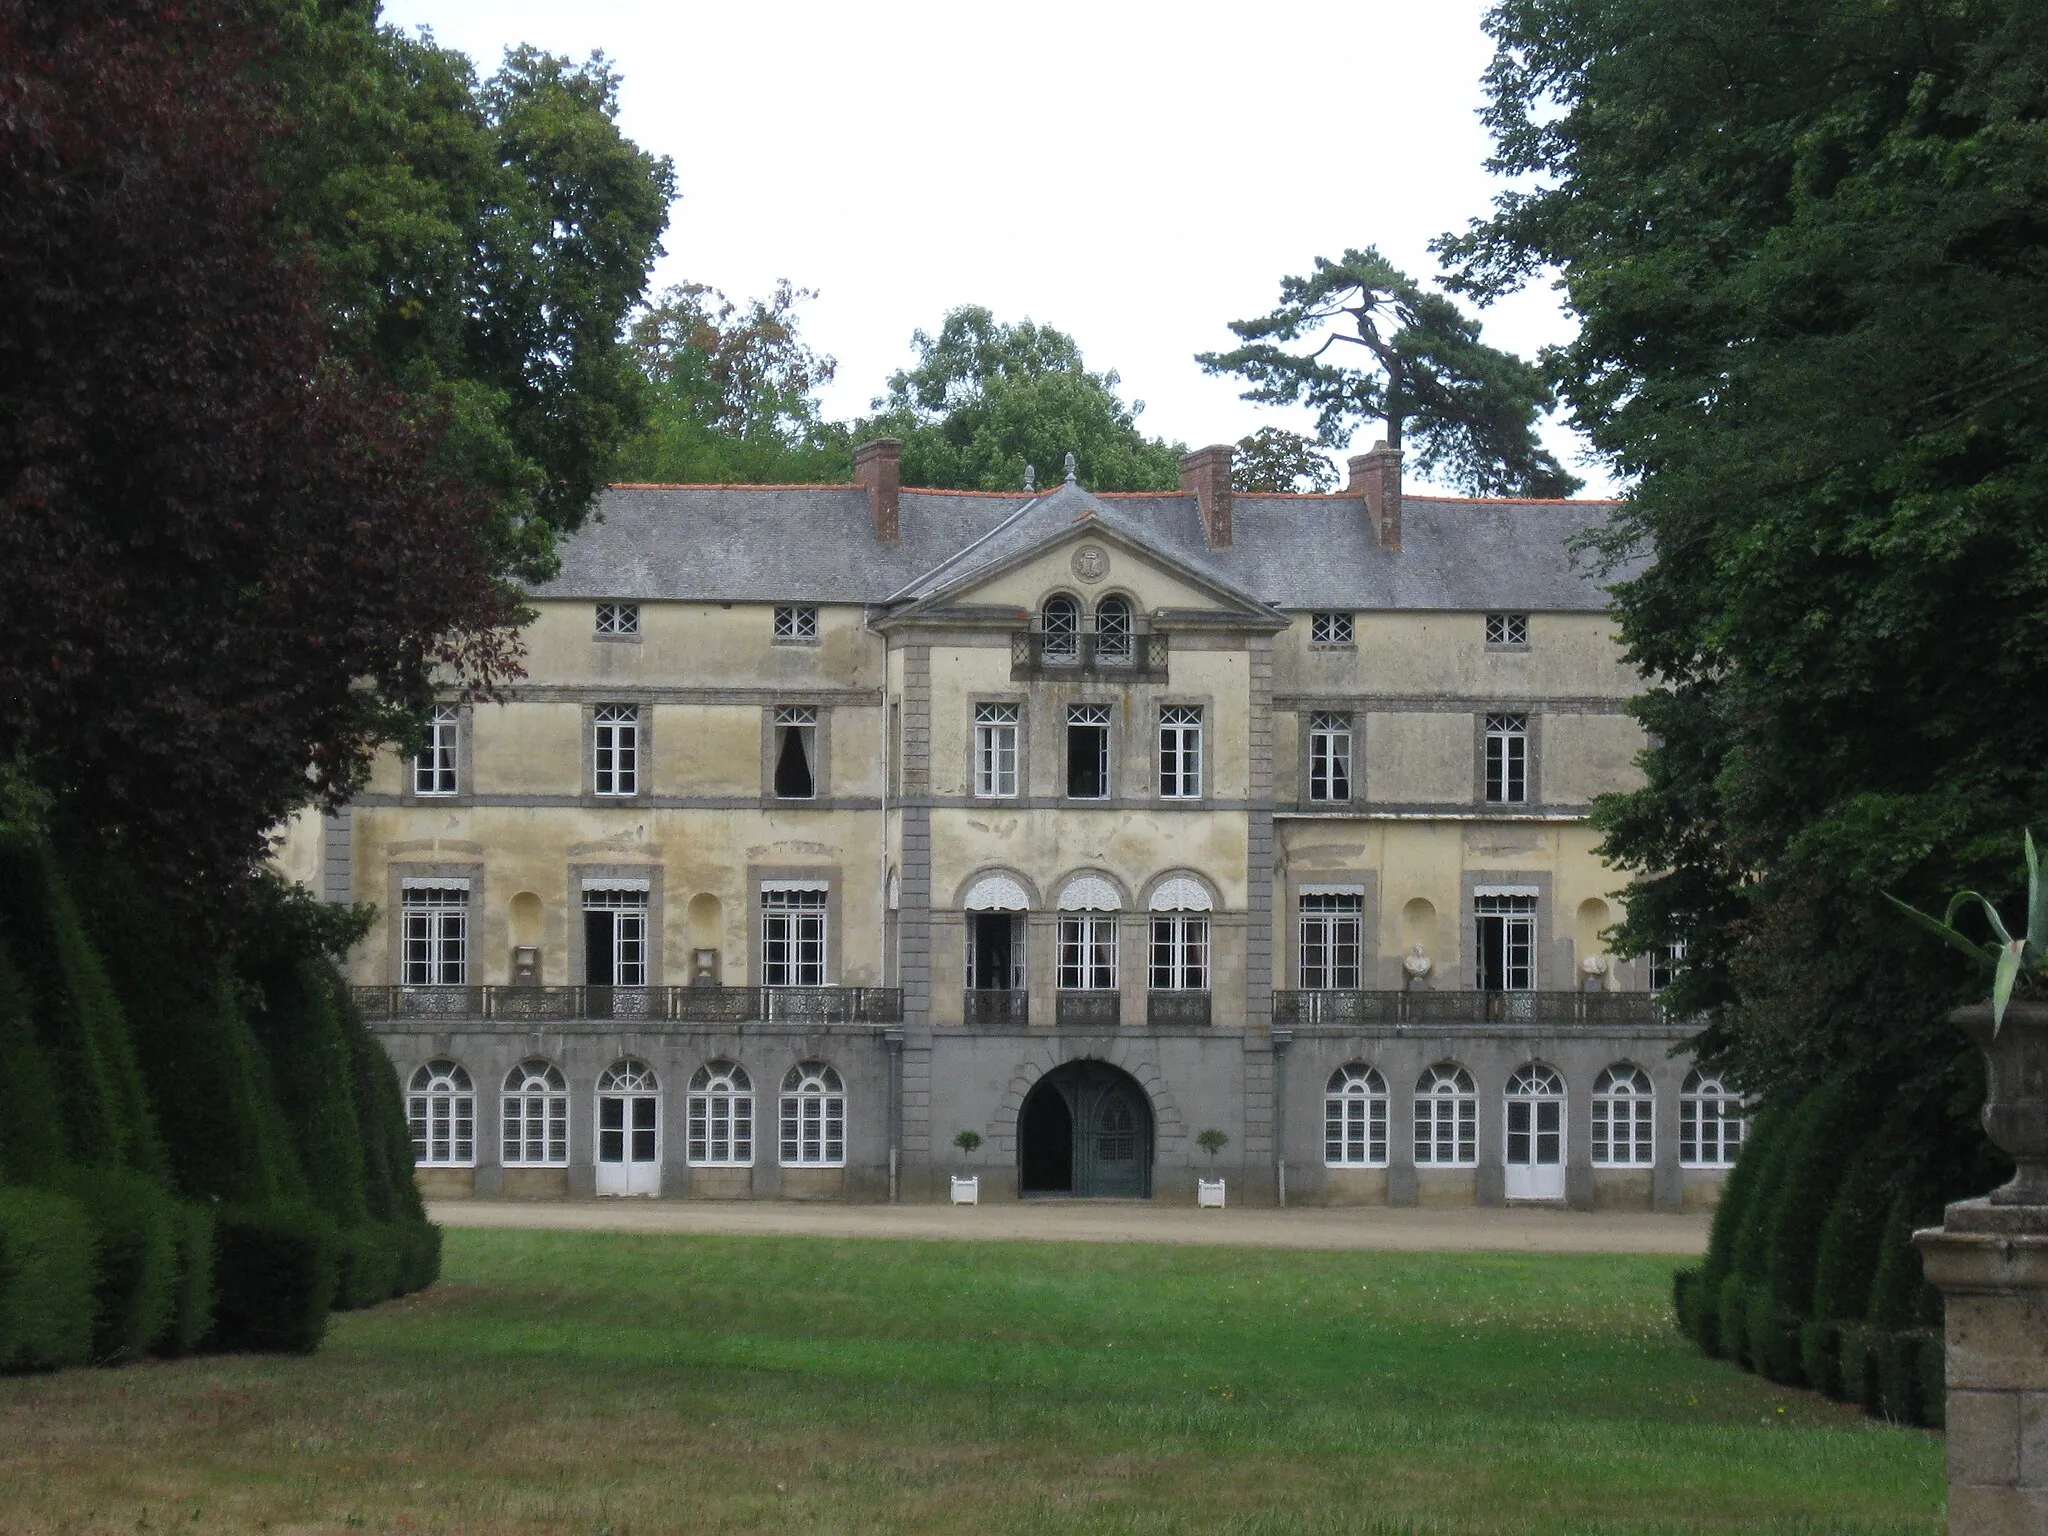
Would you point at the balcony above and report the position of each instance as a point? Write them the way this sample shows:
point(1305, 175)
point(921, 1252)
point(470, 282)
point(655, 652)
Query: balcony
point(1343, 1009)
point(654, 1005)
point(1177, 1010)
point(995, 1008)
point(1088, 1010)
point(1136, 658)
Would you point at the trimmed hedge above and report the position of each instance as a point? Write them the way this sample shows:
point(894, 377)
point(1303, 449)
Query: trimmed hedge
point(1820, 1357)
point(1899, 1293)
point(1833, 1123)
point(192, 1316)
point(31, 1132)
point(275, 1278)
point(421, 1266)
point(1847, 1257)
point(46, 1281)
point(135, 1231)
point(368, 1259)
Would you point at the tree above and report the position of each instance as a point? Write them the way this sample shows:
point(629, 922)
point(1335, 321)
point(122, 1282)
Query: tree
point(230, 564)
point(481, 245)
point(1277, 461)
point(732, 393)
point(1806, 243)
point(1420, 367)
point(988, 398)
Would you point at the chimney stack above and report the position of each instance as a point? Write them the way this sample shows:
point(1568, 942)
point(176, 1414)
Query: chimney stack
point(1377, 477)
point(1205, 475)
point(878, 466)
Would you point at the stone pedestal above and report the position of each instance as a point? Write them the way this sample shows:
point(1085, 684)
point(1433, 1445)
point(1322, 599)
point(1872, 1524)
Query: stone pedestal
point(1990, 1263)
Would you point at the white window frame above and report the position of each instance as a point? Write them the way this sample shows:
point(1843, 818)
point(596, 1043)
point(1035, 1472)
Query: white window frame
point(1507, 629)
point(1180, 952)
point(629, 931)
point(1330, 954)
point(1180, 752)
point(1060, 639)
point(1088, 952)
point(436, 771)
point(1624, 1118)
point(1515, 938)
point(533, 1116)
point(803, 719)
point(618, 618)
point(813, 1117)
point(793, 938)
point(1328, 627)
point(615, 751)
point(1329, 757)
point(1663, 963)
point(796, 624)
point(1507, 758)
point(1711, 1122)
point(996, 733)
point(719, 1116)
point(1446, 1118)
point(1115, 627)
point(1355, 1118)
point(441, 1108)
point(434, 933)
point(1089, 717)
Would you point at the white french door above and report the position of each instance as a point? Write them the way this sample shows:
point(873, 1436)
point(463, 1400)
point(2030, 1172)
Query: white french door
point(1535, 1139)
point(628, 1131)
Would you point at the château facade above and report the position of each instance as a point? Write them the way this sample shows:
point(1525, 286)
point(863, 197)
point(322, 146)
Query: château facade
point(832, 823)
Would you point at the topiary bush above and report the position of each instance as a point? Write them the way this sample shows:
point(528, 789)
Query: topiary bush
point(1831, 1125)
point(135, 1225)
point(1897, 1298)
point(1820, 1356)
point(192, 1312)
point(422, 1263)
point(369, 1259)
point(1772, 1338)
point(46, 1281)
point(31, 1132)
point(1900, 1390)
point(1856, 1361)
point(1846, 1259)
point(275, 1277)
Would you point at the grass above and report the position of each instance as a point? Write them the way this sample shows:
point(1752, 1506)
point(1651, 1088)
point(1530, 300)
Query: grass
point(609, 1385)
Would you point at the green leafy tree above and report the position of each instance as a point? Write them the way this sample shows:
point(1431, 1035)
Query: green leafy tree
point(987, 398)
point(1385, 348)
point(1808, 246)
point(732, 393)
point(481, 245)
point(1275, 460)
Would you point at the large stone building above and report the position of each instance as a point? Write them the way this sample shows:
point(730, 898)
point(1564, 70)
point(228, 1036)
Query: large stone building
point(833, 823)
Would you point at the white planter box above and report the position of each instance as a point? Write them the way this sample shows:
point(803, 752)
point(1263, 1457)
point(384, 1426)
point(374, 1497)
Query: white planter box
point(1209, 1194)
point(967, 1191)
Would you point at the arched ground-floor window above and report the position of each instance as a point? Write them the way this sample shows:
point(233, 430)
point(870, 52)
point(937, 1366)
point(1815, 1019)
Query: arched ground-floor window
point(441, 1103)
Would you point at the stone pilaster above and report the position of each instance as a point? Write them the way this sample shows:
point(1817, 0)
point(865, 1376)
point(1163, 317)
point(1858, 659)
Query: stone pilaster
point(914, 917)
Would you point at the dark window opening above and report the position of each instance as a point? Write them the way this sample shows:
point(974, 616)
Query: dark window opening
point(1088, 752)
point(796, 748)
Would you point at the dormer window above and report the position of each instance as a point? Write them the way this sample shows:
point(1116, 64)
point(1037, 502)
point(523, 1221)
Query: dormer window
point(1329, 629)
point(795, 624)
point(1510, 629)
point(618, 618)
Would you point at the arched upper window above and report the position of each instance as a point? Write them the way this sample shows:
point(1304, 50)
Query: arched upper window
point(1355, 1118)
point(628, 1076)
point(1060, 622)
point(721, 1116)
point(534, 1116)
point(813, 1117)
point(441, 1104)
point(1535, 1081)
point(1446, 1118)
point(1113, 628)
point(1710, 1122)
point(1624, 1120)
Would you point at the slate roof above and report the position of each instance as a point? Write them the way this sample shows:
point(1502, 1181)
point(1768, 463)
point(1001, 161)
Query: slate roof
point(816, 544)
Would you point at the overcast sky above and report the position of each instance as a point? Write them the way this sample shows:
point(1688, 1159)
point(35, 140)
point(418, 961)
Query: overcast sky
point(1136, 173)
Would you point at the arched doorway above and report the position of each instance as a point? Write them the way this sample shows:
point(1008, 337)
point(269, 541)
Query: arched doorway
point(1086, 1130)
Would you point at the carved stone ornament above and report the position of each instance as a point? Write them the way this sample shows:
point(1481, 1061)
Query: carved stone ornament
point(1417, 964)
point(2016, 1092)
point(1091, 562)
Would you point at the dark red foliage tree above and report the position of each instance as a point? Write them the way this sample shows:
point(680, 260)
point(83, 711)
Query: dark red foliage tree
point(229, 565)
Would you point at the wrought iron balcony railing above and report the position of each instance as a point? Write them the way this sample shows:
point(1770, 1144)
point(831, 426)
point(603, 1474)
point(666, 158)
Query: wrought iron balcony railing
point(995, 1008)
point(1087, 1010)
point(683, 1005)
point(1138, 658)
point(1343, 1008)
point(1177, 1009)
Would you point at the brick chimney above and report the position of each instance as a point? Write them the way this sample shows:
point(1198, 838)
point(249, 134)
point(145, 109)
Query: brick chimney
point(1377, 477)
point(878, 466)
point(1205, 475)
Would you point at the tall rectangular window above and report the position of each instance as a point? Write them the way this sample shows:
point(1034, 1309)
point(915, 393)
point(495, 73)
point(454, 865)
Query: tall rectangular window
point(995, 751)
point(796, 752)
point(1088, 952)
point(1507, 629)
point(618, 618)
point(1507, 942)
point(433, 771)
point(793, 938)
point(1180, 954)
point(1665, 960)
point(1180, 753)
point(795, 624)
point(615, 751)
point(1329, 757)
point(1088, 751)
point(1329, 629)
point(1332, 941)
point(614, 937)
point(1507, 759)
point(436, 935)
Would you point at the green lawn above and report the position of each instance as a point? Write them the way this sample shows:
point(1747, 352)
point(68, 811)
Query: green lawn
point(594, 1383)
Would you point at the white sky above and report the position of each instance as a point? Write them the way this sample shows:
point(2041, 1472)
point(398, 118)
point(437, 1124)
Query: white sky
point(1134, 172)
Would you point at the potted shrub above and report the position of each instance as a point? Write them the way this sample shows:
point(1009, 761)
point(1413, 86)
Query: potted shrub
point(1210, 1191)
point(2010, 1027)
point(967, 1191)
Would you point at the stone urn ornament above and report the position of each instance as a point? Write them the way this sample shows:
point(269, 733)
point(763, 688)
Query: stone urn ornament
point(2011, 1032)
